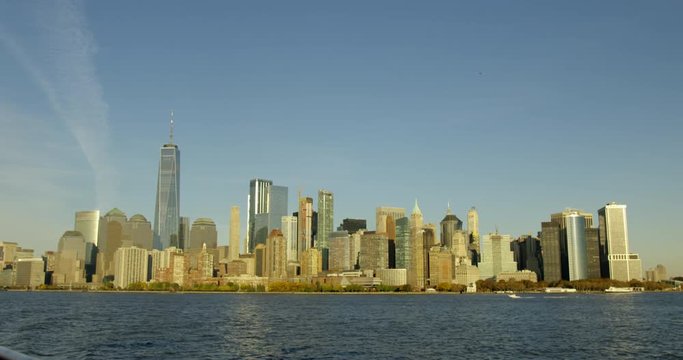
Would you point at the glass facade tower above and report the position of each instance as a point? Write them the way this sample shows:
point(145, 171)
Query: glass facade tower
point(167, 210)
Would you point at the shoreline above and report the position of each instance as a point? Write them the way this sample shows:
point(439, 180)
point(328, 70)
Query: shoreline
point(371, 293)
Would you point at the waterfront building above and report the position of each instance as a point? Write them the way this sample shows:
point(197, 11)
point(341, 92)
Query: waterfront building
point(234, 250)
point(30, 272)
point(290, 232)
point(613, 232)
point(550, 249)
point(237, 268)
point(162, 266)
point(205, 263)
point(325, 224)
point(466, 274)
point(593, 253)
point(203, 232)
point(562, 219)
point(496, 256)
point(440, 265)
point(403, 243)
point(374, 251)
point(527, 254)
point(167, 209)
point(473, 232)
point(305, 224)
point(340, 250)
point(393, 277)
point(385, 217)
point(311, 264)
point(7, 253)
point(130, 266)
point(577, 258)
point(70, 262)
point(353, 225)
point(141, 233)
point(276, 256)
point(113, 233)
point(656, 274)
point(522, 275)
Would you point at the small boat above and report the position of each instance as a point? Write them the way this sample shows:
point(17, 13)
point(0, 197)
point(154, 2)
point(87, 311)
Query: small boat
point(559, 290)
point(514, 296)
point(622, 290)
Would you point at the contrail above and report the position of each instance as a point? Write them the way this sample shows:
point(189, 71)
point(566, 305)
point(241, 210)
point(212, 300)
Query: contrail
point(67, 76)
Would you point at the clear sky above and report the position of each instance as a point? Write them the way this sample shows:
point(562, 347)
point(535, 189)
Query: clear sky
point(518, 108)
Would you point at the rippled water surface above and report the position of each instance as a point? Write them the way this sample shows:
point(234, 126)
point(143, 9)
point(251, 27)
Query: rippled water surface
point(220, 326)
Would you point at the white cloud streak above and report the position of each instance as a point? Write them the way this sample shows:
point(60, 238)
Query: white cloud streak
point(66, 74)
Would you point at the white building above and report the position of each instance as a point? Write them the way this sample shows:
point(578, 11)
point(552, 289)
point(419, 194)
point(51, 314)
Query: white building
point(623, 265)
point(289, 231)
point(130, 266)
point(393, 277)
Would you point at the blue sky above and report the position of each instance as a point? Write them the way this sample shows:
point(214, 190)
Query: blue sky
point(518, 108)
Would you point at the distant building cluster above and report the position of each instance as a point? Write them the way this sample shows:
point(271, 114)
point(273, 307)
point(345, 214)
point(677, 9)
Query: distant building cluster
point(304, 246)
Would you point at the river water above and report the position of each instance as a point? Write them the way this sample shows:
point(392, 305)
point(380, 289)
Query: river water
point(237, 326)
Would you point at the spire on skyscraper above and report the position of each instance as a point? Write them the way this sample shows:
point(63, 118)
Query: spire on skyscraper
point(416, 209)
point(171, 129)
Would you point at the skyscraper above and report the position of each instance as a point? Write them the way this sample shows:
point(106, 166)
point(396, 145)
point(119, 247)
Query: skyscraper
point(550, 250)
point(449, 225)
point(87, 223)
point(325, 224)
point(339, 259)
point(496, 256)
point(305, 224)
point(374, 251)
point(141, 233)
point(613, 233)
point(130, 266)
point(257, 203)
point(473, 231)
point(184, 233)
point(416, 272)
point(353, 225)
point(577, 257)
point(385, 217)
point(276, 256)
point(267, 205)
point(167, 209)
point(234, 251)
point(289, 231)
point(203, 233)
point(403, 249)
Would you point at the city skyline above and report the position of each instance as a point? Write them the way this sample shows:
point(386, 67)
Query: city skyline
point(439, 103)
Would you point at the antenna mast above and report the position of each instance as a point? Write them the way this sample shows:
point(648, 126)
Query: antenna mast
point(171, 132)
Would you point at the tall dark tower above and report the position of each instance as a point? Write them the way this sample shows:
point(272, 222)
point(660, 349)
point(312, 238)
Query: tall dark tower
point(449, 225)
point(167, 209)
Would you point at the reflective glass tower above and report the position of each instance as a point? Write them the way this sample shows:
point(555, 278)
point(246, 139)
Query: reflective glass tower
point(167, 210)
